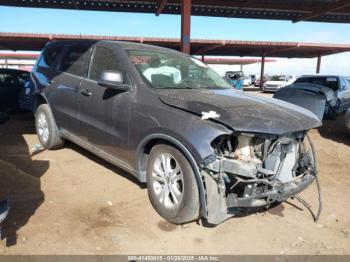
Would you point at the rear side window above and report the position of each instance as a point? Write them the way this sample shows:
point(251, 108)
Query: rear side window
point(103, 59)
point(49, 55)
point(73, 61)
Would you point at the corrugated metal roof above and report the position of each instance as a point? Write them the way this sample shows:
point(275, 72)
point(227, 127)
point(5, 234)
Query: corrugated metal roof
point(336, 11)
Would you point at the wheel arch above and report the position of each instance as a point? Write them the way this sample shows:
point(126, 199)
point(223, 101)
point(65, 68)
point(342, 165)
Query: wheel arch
point(38, 100)
point(142, 156)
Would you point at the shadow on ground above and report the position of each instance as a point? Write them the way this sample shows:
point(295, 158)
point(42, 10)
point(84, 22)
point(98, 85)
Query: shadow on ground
point(335, 130)
point(104, 163)
point(19, 174)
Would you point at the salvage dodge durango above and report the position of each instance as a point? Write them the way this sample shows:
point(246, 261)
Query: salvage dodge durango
point(204, 149)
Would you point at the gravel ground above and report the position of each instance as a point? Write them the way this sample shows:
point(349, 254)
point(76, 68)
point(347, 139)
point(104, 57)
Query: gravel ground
point(70, 202)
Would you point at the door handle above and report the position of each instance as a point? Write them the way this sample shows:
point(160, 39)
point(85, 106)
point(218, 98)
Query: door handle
point(85, 92)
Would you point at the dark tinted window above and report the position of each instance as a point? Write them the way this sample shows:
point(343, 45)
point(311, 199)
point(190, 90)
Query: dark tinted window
point(103, 59)
point(8, 79)
point(24, 76)
point(328, 81)
point(49, 55)
point(73, 61)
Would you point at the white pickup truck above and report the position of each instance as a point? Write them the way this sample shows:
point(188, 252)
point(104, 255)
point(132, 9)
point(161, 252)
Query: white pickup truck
point(277, 81)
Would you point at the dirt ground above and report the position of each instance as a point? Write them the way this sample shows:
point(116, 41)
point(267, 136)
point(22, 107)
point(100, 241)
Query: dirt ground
point(70, 202)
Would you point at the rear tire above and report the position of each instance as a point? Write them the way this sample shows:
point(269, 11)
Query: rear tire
point(332, 114)
point(171, 185)
point(46, 128)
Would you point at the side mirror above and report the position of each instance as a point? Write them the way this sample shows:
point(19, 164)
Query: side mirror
point(113, 79)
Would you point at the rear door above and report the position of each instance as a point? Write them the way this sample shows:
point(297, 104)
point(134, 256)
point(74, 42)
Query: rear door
point(65, 84)
point(104, 112)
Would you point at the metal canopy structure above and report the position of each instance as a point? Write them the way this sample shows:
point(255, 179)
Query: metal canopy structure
point(35, 42)
point(335, 11)
point(18, 56)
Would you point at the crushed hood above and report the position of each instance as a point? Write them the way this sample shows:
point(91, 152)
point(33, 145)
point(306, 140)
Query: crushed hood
point(311, 100)
point(242, 112)
point(328, 92)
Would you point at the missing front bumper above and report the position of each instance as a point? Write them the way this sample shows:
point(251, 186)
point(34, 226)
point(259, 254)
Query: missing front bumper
point(278, 193)
point(222, 206)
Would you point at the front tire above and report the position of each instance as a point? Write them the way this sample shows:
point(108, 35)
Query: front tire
point(46, 128)
point(171, 185)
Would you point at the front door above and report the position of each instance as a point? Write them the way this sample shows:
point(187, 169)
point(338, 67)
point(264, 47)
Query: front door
point(103, 111)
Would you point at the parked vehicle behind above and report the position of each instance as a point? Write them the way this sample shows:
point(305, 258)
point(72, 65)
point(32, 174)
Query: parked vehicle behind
point(253, 79)
point(330, 94)
point(235, 78)
point(247, 81)
point(347, 118)
point(258, 81)
point(12, 83)
point(276, 82)
point(203, 148)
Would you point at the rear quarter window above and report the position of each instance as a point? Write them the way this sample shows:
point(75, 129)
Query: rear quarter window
point(49, 55)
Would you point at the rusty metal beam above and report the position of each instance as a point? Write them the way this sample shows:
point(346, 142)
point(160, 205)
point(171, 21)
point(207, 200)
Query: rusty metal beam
point(186, 26)
point(31, 42)
point(325, 9)
point(278, 50)
point(161, 7)
point(203, 51)
point(262, 71)
point(318, 66)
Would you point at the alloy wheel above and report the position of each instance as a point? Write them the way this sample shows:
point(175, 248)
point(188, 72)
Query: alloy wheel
point(167, 180)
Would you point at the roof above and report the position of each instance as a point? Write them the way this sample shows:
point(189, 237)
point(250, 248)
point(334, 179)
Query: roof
point(226, 61)
point(234, 61)
point(335, 11)
point(35, 42)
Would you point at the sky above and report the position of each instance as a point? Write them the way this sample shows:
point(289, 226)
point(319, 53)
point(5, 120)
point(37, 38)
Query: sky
point(30, 20)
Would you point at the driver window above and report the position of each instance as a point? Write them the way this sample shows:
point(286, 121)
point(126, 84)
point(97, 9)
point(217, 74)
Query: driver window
point(162, 72)
point(103, 59)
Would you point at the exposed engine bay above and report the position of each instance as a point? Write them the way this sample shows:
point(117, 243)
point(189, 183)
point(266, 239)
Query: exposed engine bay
point(250, 170)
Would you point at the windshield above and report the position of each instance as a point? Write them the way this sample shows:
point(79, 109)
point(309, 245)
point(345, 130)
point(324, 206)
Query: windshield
point(168, 70)
point(277, 78)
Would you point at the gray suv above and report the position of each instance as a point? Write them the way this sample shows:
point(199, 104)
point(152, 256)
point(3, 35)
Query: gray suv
point(204, 149)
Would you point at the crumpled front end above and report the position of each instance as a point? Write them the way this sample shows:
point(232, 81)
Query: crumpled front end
point(250, 170)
